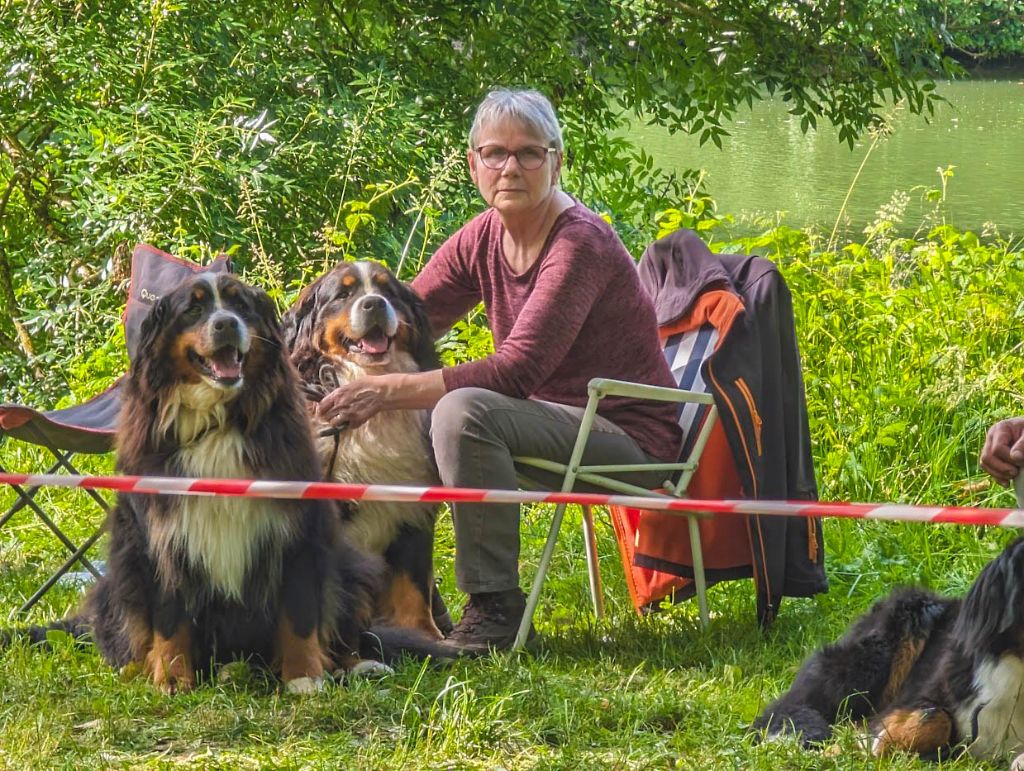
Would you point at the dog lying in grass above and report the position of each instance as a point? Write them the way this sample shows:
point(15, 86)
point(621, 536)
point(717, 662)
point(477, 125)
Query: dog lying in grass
point(931, 675)
point(196, 581)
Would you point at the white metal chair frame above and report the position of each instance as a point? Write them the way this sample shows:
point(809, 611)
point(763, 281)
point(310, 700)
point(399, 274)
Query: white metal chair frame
point(599, 388)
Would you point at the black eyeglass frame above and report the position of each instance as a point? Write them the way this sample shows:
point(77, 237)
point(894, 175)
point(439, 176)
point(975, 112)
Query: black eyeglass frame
point(509, 154)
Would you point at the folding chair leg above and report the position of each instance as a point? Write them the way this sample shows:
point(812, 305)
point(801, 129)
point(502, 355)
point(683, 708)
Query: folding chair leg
point(63, 459)
point(75, 550)
point(24, 495)
point(26, 498)
point(698, 570)
point(77, 556)
point(556, 522)
point(593, 566)
point(538, 581)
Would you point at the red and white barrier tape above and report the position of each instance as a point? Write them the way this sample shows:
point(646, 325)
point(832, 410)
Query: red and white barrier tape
point(349, 492)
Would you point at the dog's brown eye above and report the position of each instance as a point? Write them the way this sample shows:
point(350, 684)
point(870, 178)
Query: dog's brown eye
point(344, 294)
point(194, 311)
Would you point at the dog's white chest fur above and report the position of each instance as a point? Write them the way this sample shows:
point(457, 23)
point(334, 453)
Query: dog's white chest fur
point(1000, 721)
point(390, 448)
point(219, 535)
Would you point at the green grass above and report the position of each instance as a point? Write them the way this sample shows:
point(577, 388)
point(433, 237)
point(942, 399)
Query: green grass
point(910, 350)
point(629, 693)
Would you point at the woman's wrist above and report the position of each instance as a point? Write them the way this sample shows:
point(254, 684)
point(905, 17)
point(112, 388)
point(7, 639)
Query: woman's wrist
point(390, 388)
point(410, 390)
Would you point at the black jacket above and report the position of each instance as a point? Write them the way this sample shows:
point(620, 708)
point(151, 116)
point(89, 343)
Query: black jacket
point(766, 423)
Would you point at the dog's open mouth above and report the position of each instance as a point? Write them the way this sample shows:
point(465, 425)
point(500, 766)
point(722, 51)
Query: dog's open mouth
point(224, 366)
point(374, 344)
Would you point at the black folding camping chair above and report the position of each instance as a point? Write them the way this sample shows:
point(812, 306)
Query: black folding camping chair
point(89, 427)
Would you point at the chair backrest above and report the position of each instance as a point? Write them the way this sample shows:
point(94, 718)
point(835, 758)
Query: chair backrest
point(89, 426)
point(154, 274)
point(685, 352)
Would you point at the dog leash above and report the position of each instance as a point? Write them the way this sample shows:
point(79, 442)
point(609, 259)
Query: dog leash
point(334, 431)
point(314, 393)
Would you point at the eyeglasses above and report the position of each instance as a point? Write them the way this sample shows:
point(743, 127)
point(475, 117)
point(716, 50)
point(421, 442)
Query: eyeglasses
point(529, 158)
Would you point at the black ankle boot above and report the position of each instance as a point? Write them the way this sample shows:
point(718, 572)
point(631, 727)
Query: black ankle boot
point(490, 621)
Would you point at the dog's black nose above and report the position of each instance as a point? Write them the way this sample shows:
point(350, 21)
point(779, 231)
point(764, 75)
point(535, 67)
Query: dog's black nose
point(373, 302)
point(225, 322)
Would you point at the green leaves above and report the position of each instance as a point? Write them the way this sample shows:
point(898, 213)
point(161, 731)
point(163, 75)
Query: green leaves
point(206, 126)
point(990, 29)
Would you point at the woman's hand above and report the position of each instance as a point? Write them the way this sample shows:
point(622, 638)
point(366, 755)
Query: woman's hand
point(1003, 453)
point(352, 404)
point(355, 403)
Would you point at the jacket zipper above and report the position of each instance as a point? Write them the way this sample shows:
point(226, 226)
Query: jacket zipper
point(755, 416)
point(812, 536)
point(739, 429)
point(753, 482)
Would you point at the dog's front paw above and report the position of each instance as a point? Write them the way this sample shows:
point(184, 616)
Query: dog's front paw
point(171, 685)
point(366, 669)
point(172, 675)
point(922, 731)
point(305, 685)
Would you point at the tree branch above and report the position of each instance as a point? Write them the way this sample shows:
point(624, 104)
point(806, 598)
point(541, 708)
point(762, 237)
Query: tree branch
point(23, 163)
point(10, 345)
point(341, 20)
point(7, 278)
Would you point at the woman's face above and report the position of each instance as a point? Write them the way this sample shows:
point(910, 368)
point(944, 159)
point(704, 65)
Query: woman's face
point(512, 189)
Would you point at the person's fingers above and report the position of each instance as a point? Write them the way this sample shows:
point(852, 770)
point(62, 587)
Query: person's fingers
point(352, 420)
point(1016, 452)
point(332, 405)
point(997, 456)
point(351, 404)
point(324, 407)
point(1001, 474)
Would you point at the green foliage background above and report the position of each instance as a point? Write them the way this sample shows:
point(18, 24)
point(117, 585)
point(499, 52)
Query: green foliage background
point(293, 134)
point(980, 29)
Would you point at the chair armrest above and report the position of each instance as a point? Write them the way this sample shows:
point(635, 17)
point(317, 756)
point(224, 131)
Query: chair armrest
point(602, 387)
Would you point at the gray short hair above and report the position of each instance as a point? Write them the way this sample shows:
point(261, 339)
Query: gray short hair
point(528, 107)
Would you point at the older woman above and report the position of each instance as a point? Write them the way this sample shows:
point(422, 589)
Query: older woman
point(564, 306)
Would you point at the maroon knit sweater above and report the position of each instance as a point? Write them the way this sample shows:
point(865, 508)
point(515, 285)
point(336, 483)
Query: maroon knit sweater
point(578, 313)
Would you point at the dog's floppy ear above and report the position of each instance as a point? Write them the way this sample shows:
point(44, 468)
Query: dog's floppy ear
point(146, 364)
point(422, 344)
point(298, 322)
point(993, 603)
point(267, 312)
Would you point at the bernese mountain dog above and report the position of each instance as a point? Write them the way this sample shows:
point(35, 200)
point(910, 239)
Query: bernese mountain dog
point(194, 581)
point(932, 675)
point(357, 320)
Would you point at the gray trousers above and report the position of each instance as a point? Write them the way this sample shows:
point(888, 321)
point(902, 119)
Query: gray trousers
point(475, 434)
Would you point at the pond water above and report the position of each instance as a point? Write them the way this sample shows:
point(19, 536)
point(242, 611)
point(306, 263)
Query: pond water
point(768, 165)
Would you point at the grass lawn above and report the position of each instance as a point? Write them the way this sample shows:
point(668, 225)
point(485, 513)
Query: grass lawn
point(629, 693)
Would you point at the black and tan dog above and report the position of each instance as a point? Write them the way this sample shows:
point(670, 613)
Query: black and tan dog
point(930, 674)
point(193, 581)
point(356, 320)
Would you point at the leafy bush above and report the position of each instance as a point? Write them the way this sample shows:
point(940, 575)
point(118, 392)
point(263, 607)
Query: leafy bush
point(293, 134)
point(910, 346)
point(980, 30)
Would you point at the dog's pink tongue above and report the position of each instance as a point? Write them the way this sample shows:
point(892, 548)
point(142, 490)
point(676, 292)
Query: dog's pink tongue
point(226, 363)
point(375, 342)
